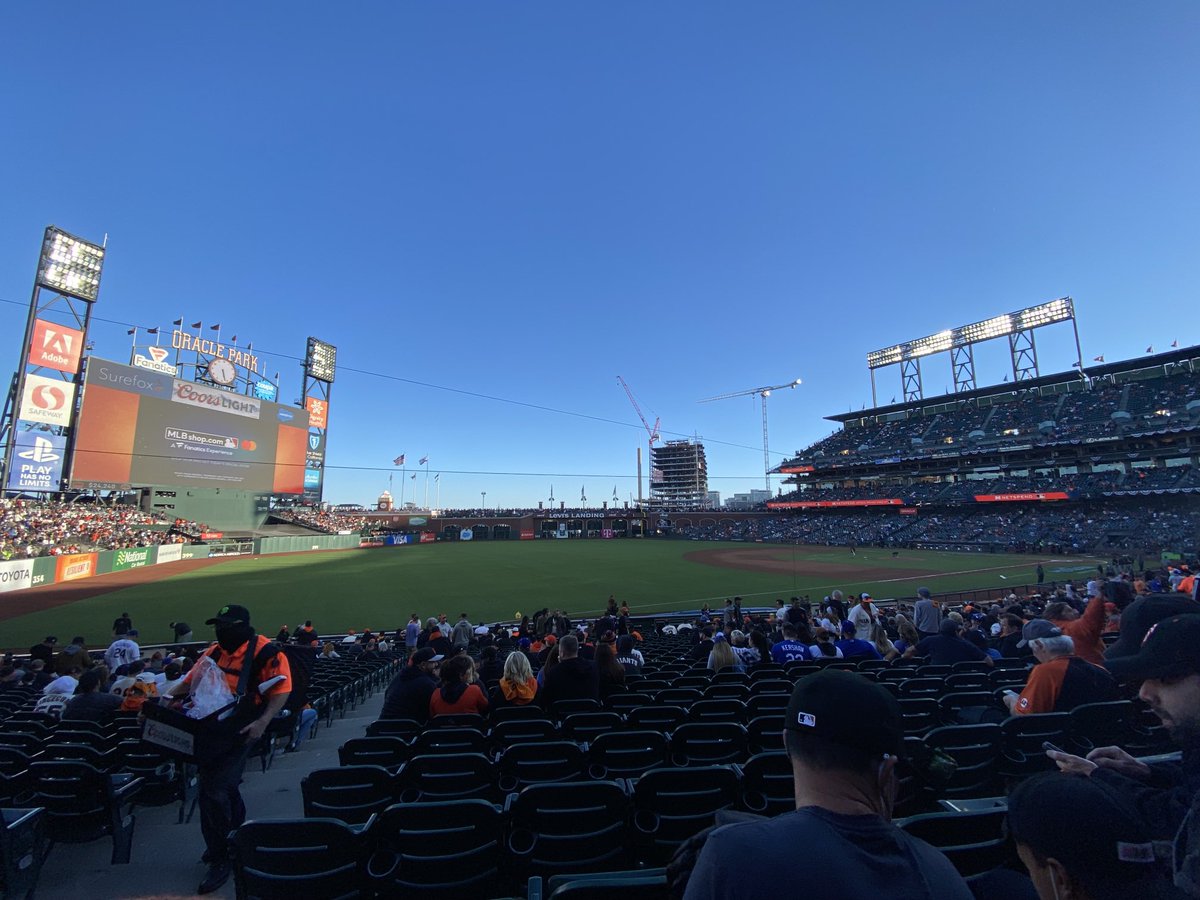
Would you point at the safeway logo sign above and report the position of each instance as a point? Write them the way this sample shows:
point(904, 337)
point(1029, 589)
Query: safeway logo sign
point(47, 400)
point(42, 451)
point(55, 347)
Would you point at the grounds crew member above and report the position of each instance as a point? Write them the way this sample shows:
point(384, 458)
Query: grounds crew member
point(224, 759)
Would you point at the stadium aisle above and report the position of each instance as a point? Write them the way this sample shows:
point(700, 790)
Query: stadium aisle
point(166, 856)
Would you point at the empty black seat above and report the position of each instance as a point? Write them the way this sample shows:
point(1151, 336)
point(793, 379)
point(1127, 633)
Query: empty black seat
point(524, 764)
point(626, 754)
point(406, 729)
point(563, 708)
point(389, 752)
point(768, 787)
point(575, 827)
point(292, 858)
point(671, 805)
point(449, 849)
point(708, 744)
point(1023, 737)
point(765, 733)
point(349, 793)
point(448, 776)
point(587, 726)
point(973, 841)
point(658, 717)
point(976, 750)
point(522, 731)
point(717, 711)
point(83, 803)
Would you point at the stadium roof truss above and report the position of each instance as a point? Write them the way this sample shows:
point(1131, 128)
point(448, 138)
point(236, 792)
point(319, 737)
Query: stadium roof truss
point(959, 342)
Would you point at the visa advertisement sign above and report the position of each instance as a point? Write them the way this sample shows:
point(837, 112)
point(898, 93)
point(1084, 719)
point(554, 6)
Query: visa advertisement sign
point(37, 461)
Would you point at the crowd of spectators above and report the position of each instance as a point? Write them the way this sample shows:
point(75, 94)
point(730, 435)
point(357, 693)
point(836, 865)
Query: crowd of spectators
point(329, 521)
point(1141, 407)
point(30, 528)
point(1140, 524)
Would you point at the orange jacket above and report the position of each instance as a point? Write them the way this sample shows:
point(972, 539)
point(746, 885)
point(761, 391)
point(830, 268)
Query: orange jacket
point(1086, 630)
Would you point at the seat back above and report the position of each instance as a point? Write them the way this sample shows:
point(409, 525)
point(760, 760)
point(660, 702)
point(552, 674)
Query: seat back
point(659, 717)
point(768, 786)
point(671, 805)
point(976, 750)
point(717, 711)
point(1023, 737)
point(764, 733)
point(708, 744)
point(351, 794)
point(524, 764)
point(563, 708)
point(389, 752)
point(973, 841)
point(448, 776)
point(406, 729)
point(522, 731)
point(920, 714)
point(626, 754)
point(298, 858)
point(1102, 724)
point(452, 848)
point(587, 726)
point(576, 827)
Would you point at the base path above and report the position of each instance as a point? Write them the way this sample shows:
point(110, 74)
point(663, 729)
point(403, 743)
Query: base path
point(21, 603)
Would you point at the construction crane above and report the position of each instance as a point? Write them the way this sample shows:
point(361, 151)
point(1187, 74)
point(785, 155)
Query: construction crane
point(652, 433)
point(762, 393)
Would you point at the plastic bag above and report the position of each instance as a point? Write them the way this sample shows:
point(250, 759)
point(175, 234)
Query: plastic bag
point(209, 689)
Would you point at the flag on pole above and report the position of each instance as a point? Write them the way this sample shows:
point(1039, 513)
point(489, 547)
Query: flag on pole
point(422, 460)
point(399, 460)
point(1150, 349)
point(216, 327)
point(437, 476)
point(413, 476)
point(1174, 343)
point(198, 324)
point(178, 321)
point(132, 330)
point(152, 330)
point(1099, 358)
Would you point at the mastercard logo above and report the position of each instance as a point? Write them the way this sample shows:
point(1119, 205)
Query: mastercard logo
point(49, 398)
point(249, 445)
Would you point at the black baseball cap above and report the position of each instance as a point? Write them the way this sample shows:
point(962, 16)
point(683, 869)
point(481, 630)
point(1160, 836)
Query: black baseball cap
point(1114, 851)
point(1171, 648)
point(949, 626)
point(228, 615)
point(847, 709)
point(1142, 613)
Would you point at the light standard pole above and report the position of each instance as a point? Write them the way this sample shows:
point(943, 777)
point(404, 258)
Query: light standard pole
point(483, 500)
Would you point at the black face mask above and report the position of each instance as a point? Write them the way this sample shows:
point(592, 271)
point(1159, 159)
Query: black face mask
point(232, 636)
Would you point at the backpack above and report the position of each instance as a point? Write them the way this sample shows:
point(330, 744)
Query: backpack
point(301, 660)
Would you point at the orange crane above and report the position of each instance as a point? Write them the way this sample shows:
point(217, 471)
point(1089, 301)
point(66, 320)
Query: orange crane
point(652, 433)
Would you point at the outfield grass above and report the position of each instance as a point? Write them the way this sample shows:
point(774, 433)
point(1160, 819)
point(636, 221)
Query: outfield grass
point(494, 581)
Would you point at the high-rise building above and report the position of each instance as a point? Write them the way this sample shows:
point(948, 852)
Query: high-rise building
point(679, 475)
point(714, 499)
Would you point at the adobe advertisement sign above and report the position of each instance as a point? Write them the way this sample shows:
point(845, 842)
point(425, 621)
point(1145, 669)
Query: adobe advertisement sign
point(55, 347)
point(47, 400)
point(37, 463)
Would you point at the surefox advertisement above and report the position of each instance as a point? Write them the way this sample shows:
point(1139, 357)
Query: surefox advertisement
point(15, 575)
point(74, 566)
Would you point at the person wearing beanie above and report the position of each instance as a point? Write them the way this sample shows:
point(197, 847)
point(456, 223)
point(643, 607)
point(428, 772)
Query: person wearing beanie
point(844, 736)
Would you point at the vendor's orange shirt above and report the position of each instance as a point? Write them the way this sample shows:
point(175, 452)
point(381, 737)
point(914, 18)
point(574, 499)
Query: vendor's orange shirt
point(231, 665)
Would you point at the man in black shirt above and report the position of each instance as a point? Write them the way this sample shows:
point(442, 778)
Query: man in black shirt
point(572, 679)
point(44, 651)
point(947, 648)
point(408, 695)
point(703, 648)
point(122, 625)
point(844, 735)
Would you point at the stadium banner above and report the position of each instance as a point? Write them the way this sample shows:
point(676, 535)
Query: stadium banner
point(141, 427)
point(606, 533)
point(428, 537)
point(37, 461)
point(55, 347)
point(73, 566)
point(395, 540)
point(318, 412)
point(561, 533)
point(466, 534)
point(827, 504)
point(193, 551)
point(47, 400)
point(15, 575)
point(794, 470)
point(1016, 498)
point(132, 558)
point(169, 553)
point(908, 510)
point(528, 534)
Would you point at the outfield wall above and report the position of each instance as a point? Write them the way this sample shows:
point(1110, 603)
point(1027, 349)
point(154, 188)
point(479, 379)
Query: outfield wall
point(18, 574)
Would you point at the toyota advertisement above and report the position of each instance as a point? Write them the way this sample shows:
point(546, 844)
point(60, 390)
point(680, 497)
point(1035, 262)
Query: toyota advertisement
point(141, 427)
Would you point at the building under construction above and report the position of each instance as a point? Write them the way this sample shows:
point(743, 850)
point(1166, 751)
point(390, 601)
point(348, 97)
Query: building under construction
point(679, 476)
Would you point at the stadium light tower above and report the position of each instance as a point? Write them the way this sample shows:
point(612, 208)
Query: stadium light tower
point(45, 387)
point(762, 393)
point(320, 369)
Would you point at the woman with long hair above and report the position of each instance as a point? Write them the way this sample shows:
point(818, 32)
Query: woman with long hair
point(825, 644)
point(758, 641)
point(722, 656)
point(880, 639)
point(909, 636)
point(611, 672)
point(517, 685)
point(458, 693)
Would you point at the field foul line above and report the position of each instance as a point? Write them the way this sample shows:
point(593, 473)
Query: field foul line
point(821, 587)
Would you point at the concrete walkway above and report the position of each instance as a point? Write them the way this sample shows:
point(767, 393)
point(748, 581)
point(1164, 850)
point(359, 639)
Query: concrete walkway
point(166, 856)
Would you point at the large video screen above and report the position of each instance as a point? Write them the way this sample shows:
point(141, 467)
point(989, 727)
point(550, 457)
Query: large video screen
point(137, 427)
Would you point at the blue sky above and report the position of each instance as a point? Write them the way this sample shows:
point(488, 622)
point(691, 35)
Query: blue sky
point(525, 200)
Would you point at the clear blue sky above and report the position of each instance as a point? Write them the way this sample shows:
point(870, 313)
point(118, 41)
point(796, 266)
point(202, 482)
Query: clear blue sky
point(527, 199)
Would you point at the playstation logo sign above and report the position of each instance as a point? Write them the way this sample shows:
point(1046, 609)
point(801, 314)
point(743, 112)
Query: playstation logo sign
point(41, 452)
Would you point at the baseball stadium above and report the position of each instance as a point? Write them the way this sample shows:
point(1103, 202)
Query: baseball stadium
point(146, 492)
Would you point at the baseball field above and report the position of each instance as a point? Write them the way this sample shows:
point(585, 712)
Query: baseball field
point(379, 588)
